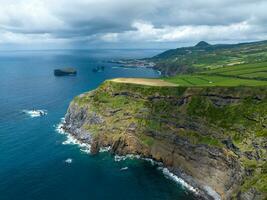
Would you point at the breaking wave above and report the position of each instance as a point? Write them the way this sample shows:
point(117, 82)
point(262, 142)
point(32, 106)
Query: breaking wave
point(164, 170)
point(35, 113)
point(117, 158)
point(176, 179)
point(105, 149)
point(69, 161)
point(123, 168)
point(71, 140)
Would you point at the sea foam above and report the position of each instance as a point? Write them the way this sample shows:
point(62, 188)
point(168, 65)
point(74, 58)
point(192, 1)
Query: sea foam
point(164, 170)
point(117, 158)
point(69, 161)
point(105, 149)
point(178, 180)
point(71, 140)
point(35, 113)
point(123, 168)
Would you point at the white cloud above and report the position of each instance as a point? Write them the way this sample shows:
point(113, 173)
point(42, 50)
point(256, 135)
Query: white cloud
point(146, 32)
point(138, 21)
point(28, 16)
point(110, 37)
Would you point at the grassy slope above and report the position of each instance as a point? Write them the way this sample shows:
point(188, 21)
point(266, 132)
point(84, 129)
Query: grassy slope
point(238, 75)
point(197, 58)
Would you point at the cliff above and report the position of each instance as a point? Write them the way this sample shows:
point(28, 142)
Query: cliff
point(215, 138)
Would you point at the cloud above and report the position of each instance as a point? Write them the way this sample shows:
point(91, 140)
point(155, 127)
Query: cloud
point(85, 23)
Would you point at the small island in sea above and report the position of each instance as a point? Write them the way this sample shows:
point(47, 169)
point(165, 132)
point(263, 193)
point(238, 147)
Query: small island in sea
point(69, 71)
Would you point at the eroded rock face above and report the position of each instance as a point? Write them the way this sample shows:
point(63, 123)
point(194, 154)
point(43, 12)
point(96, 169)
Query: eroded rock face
point(186, 129)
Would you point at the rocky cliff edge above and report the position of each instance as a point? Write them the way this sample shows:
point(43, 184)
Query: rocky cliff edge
point(215, 138)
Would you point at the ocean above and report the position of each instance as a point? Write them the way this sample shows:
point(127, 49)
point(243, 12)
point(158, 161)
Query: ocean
point(36, 162)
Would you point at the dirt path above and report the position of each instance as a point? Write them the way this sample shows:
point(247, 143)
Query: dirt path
point(143, 81)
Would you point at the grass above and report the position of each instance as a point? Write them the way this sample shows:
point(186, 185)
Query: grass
point(188, 59)
point(238, 75)
point(158, 116)
point(196, 138)
point(149, 141)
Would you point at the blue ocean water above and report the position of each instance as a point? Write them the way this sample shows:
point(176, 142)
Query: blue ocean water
point(32, 157)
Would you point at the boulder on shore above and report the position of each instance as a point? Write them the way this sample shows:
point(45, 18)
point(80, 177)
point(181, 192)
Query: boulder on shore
point(65, 72)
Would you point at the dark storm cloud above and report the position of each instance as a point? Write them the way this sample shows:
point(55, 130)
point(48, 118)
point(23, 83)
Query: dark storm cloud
point(64, 22)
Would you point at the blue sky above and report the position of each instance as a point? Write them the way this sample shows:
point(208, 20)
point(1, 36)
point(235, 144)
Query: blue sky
point(87, 24)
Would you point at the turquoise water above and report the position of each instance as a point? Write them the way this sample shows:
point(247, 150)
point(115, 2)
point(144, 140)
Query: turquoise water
point(32, 157)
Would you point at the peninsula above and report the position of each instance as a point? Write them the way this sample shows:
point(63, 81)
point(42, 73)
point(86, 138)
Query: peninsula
point(209, 127)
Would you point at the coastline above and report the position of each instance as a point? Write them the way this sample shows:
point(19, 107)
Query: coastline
point(175, 175)
point(160, 122)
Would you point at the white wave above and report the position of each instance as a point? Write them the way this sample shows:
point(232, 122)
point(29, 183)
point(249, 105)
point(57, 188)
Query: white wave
point(118, 158)
point(71, 140)
point(87, 149)
point(84, 147)
point(59, 127)
point(105, 149)
point(123, 168)
point(35, 113)
point(152, 162)
point(212, 193)
point(69, 161)
point(175, 178)
point(164, 170)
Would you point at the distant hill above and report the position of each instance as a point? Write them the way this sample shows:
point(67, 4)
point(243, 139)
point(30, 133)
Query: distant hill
point(204, 56)
point(202, 44)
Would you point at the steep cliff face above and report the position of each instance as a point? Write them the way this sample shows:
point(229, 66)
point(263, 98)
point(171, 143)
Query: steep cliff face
point(214, 138)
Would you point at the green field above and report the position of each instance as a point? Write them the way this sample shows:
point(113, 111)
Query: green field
point(238, 75)
point(208, 57)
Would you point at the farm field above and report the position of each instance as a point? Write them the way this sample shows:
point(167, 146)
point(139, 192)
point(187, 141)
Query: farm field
point(238, 75)
point(205, 56)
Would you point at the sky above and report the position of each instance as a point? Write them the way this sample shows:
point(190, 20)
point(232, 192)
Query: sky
point(89, 24)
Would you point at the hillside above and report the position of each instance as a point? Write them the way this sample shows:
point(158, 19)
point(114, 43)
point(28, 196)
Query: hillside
point(238, 75)
point(204, 56)
point(212, 137)
point(208, 127)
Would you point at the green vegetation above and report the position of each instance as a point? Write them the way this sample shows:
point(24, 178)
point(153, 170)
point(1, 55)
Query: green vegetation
point(221, 104)
point(231, 119)
point(245, 123)
point(238, 75)
point(204, 57)
point(258, 179)
point(196, 138)
point(149, 141)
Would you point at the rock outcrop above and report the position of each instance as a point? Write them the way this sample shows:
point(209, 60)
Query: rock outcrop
point(214, 138)
point(65, 72)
